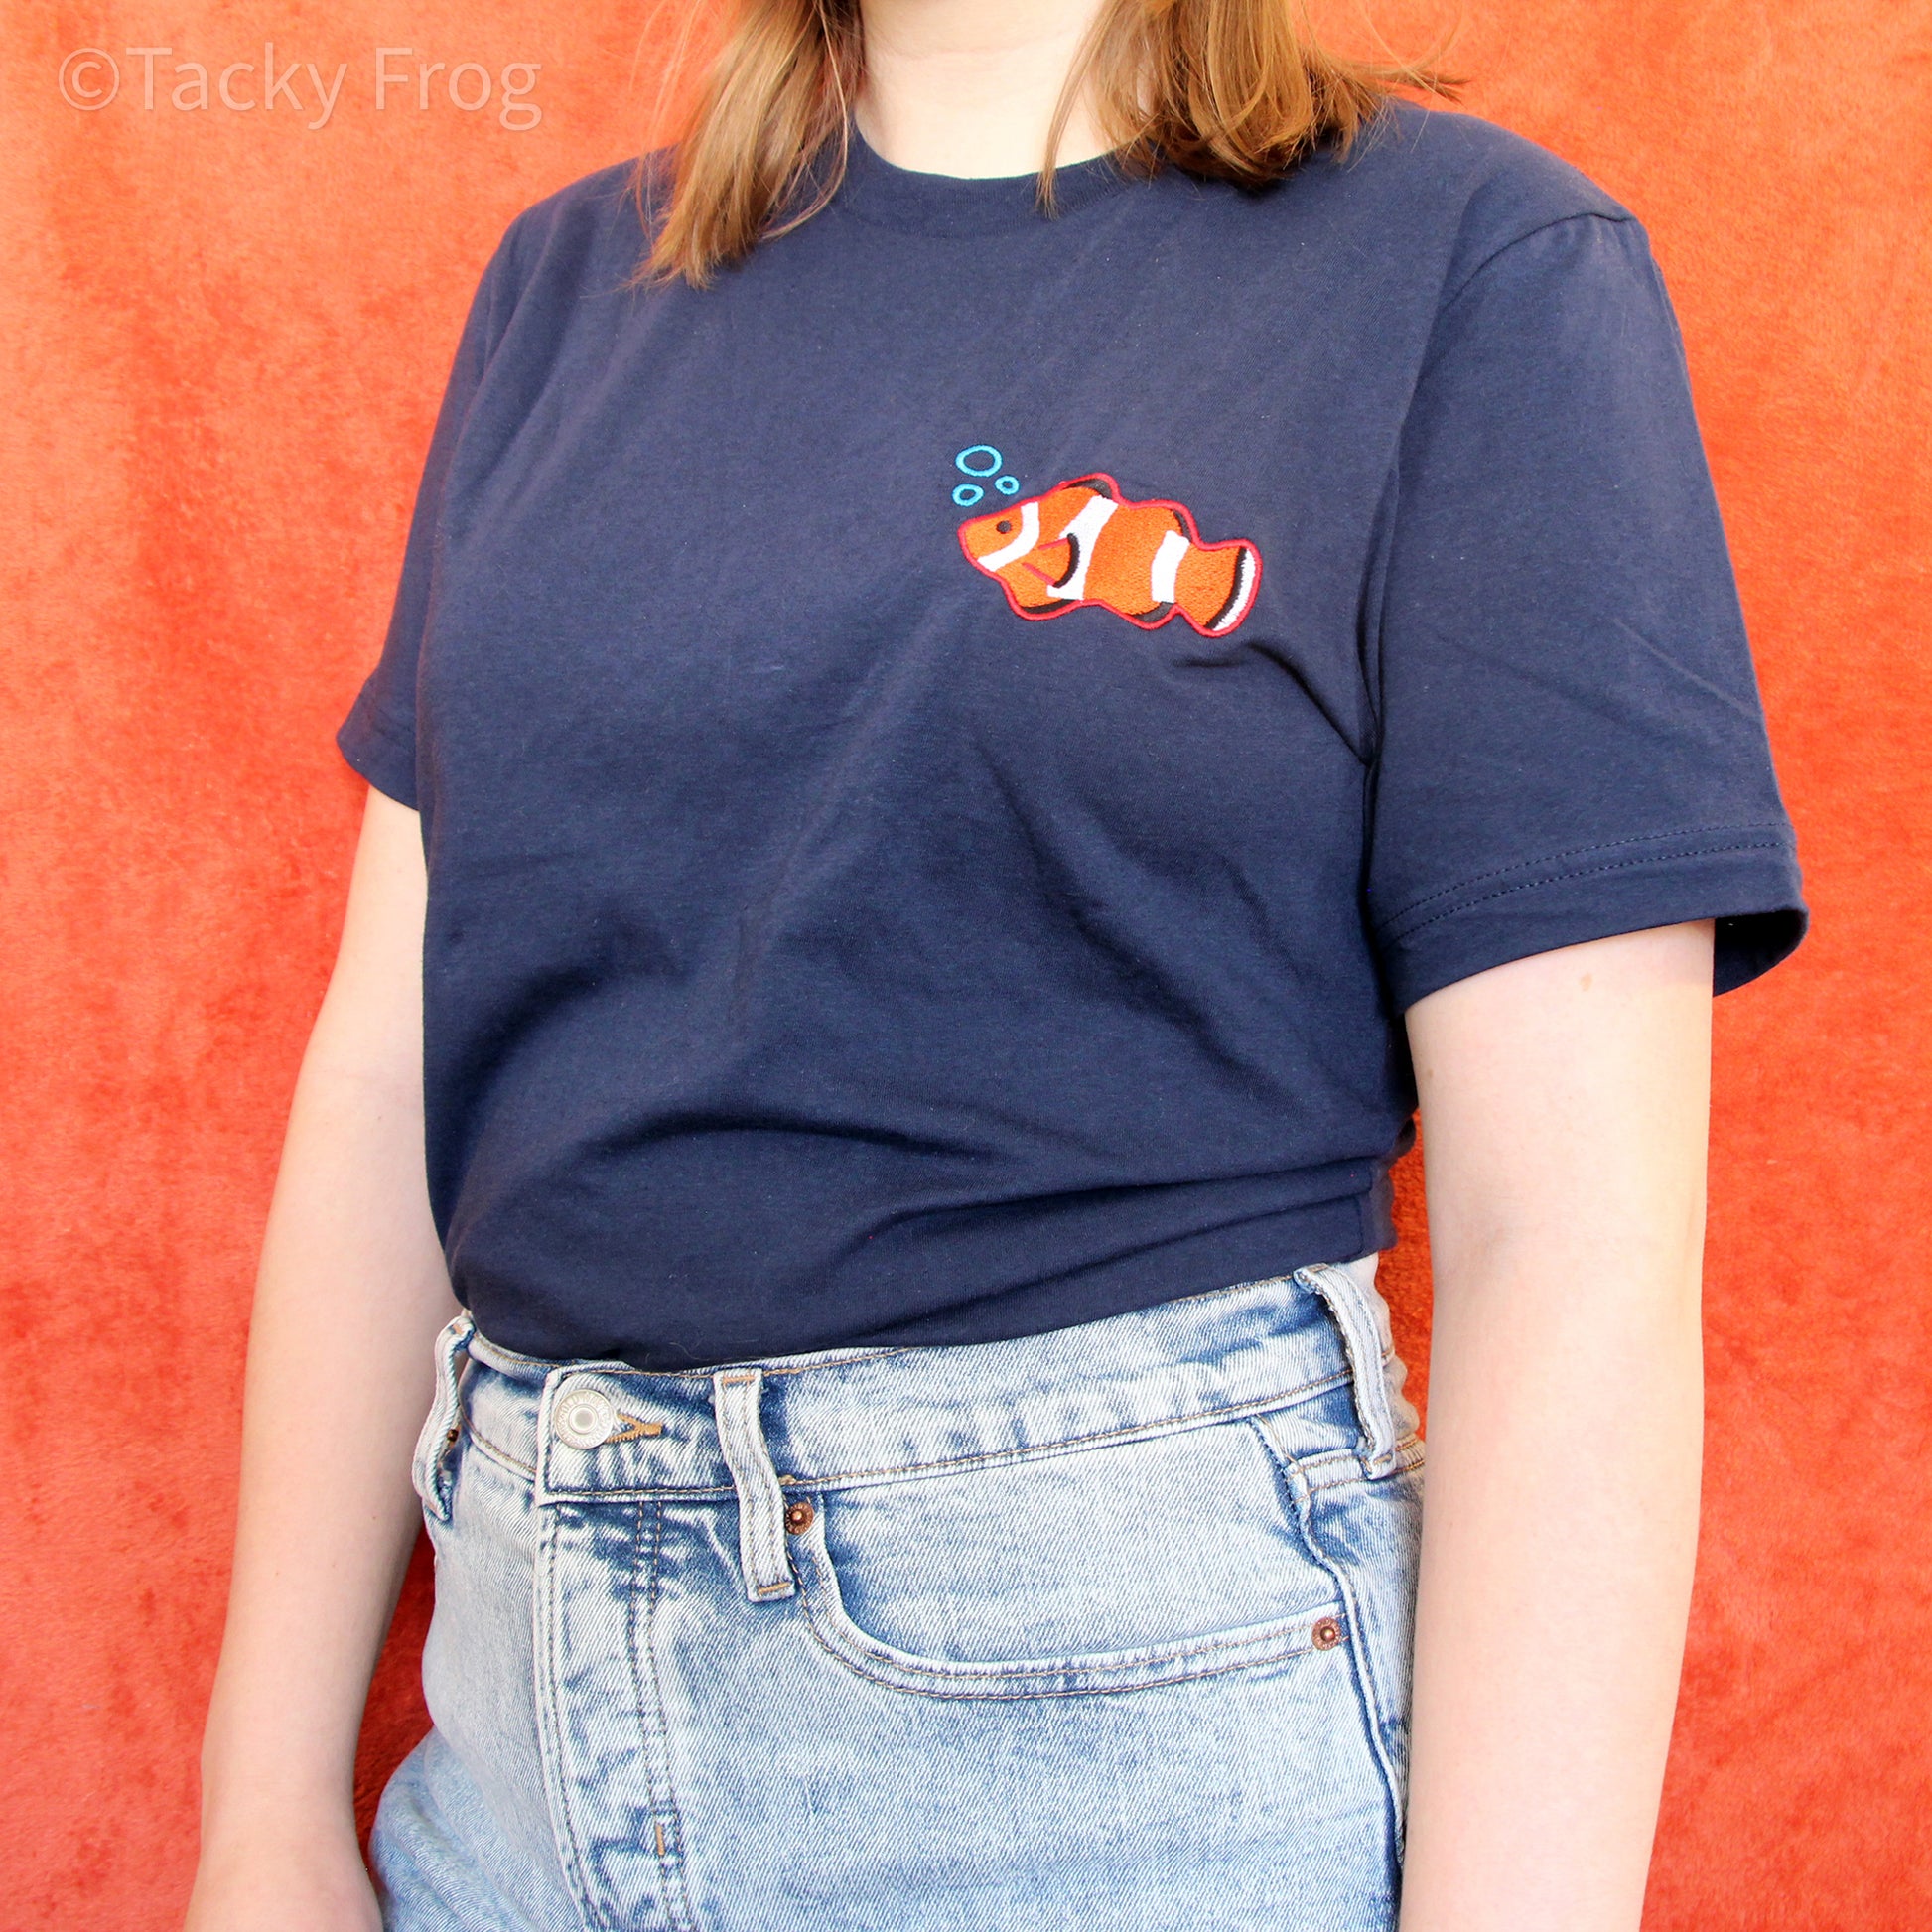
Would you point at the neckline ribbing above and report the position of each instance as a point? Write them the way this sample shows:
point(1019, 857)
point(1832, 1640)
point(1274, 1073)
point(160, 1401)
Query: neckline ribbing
point(875, 189)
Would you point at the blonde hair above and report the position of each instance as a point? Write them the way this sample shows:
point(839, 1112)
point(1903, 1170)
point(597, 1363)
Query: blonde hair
point(1233, 90)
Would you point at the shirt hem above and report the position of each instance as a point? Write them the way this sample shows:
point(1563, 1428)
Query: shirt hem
point(1259, 1249)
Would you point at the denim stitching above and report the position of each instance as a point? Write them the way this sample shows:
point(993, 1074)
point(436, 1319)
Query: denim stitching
point(1257, 1405)
point(670, 1862)
point(845, 1361)
point(592, 1367)
point(634, 1493)
point(1375, 1695)
point(1363, 1665)
point(819, 1576)
point(1267, 1636)
point(1408, 1456)
point(846, 1657)
point(642, 1558)
point(737, 1397)
point(503, 1457)
point(429, 1460)
point(557, 1786)
point(1349, 1309)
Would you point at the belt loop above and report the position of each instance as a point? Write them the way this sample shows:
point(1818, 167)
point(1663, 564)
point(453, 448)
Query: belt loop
point(735, 1395)
point(430, 1467)
point(1363, 1316)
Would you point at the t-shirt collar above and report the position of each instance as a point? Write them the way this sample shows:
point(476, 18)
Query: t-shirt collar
point(876, 190)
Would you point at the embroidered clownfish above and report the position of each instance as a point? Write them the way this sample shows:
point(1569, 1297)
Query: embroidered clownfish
point(1083, 543)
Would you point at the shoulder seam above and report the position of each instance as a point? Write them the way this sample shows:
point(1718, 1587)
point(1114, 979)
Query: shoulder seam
point(1622, 217)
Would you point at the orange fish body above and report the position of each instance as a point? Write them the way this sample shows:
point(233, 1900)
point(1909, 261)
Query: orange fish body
point(1083, 543)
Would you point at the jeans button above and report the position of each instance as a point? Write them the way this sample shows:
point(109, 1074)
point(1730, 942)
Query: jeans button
point(584, 1416)
point(799, 1517)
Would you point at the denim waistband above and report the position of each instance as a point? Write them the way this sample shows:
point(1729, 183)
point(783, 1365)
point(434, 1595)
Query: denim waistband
point(588, 1429)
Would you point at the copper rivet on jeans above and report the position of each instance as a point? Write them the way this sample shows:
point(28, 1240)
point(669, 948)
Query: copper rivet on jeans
point(799, 1517)
point(1327, 1633)
point(450, 1435)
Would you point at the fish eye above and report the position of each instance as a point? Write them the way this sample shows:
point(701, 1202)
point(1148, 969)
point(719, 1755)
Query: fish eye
point(1005, 526)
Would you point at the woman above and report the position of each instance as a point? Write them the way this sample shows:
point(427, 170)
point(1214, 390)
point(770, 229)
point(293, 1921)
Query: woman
point(975, 759)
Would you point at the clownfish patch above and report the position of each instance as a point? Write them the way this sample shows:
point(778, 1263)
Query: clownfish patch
point(1083, 543)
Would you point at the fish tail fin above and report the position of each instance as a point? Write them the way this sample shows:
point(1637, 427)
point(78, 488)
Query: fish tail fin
point(1215, 586)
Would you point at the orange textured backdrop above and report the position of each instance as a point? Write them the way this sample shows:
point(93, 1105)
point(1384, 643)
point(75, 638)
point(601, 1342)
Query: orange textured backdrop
point(224, 333)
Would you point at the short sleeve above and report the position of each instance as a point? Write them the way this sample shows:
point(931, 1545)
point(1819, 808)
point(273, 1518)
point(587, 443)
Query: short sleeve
point(379, 737)
point(1570, 743)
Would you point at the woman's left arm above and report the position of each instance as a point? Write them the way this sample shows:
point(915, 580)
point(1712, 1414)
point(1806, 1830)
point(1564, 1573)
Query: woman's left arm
point(1565, 1101)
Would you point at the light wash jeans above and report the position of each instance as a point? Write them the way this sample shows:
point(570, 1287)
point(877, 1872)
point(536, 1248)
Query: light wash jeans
point(1106, 1628)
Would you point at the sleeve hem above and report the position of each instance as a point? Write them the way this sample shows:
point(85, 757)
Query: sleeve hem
point(1748, 884)
point(381, 750)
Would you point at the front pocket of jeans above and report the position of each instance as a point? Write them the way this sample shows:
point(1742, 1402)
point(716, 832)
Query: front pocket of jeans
point(1109, 1568)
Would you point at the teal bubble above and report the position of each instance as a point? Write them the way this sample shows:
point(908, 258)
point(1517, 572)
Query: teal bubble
point(967, 495)
point(979, 469)
point(1007, 485)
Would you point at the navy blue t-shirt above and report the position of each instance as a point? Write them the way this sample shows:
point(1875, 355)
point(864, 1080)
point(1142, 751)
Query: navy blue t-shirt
point(944, 757)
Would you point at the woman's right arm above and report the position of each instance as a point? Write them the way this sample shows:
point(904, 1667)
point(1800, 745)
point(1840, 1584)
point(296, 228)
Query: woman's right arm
point(351, 1294)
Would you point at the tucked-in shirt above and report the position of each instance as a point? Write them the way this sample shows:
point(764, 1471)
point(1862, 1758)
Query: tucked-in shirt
point(945, 756)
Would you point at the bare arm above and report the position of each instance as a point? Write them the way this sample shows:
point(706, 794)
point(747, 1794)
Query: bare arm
point(351, 1294)
point(1565, 1101)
